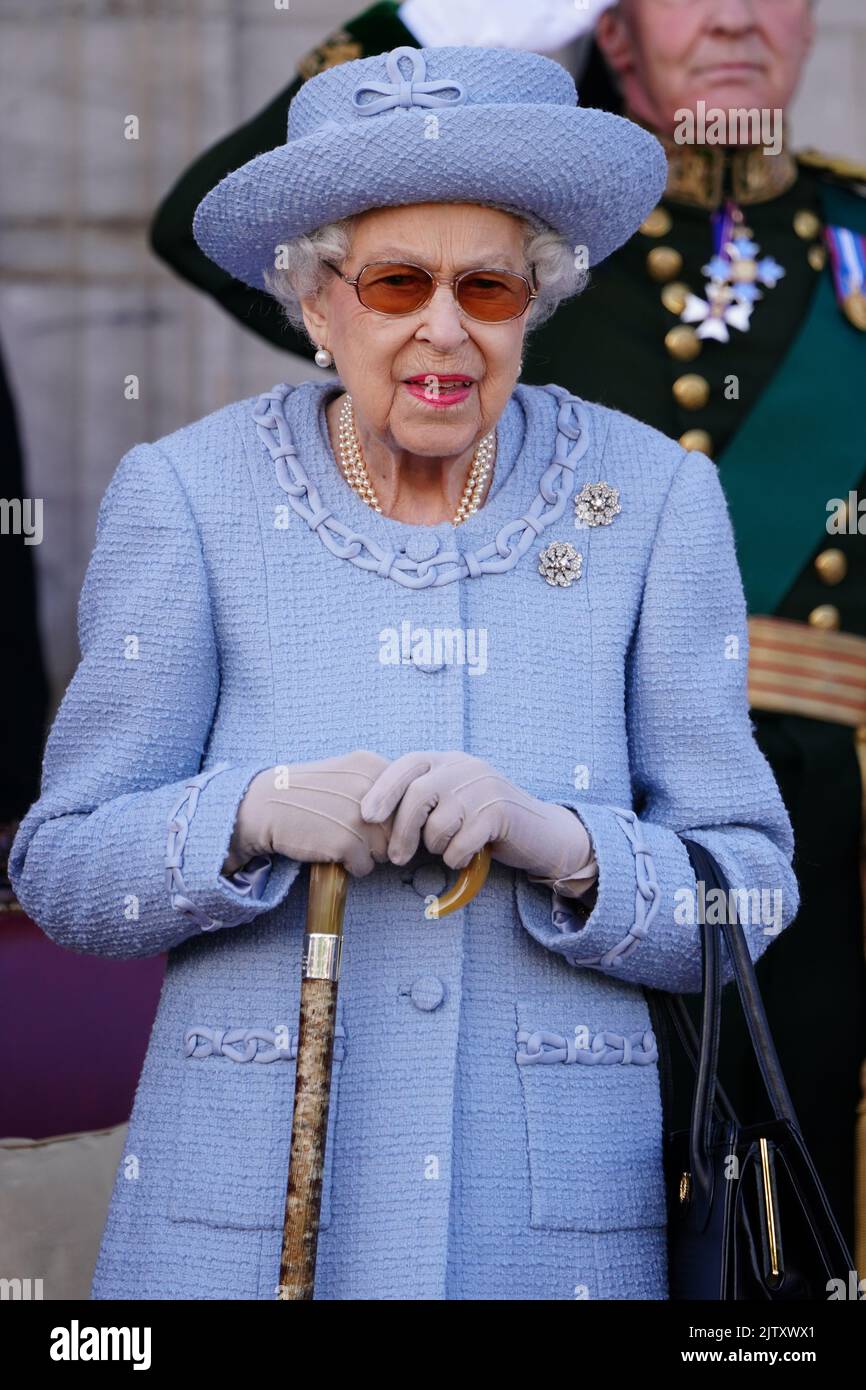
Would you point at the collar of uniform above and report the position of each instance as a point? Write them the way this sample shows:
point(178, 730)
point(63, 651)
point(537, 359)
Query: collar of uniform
point(703, 176)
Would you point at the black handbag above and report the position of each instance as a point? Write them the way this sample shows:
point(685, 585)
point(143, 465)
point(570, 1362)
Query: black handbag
point(748, 1217)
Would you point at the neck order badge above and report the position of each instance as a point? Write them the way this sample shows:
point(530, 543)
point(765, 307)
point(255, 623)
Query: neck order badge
point(734, 273)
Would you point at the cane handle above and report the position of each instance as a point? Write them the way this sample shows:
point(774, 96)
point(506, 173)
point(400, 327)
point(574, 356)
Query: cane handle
point(470, 882)
point(329, 886)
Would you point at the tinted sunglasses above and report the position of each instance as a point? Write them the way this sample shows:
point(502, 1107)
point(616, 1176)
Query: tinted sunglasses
point(398, 287)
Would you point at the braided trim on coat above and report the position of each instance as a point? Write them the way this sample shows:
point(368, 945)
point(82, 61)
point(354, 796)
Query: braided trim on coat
point(498, 556)
point(647, 898)
point(242, 1044)
point(598, 1049)
point(178, 830)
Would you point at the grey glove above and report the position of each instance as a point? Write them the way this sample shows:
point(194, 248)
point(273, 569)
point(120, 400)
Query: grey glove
point(312, 812)
point(458, 803)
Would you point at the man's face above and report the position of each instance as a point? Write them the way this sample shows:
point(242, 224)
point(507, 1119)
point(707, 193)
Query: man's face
point(670, 54)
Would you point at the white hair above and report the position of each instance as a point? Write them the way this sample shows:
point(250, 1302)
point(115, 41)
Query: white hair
point(303, 272)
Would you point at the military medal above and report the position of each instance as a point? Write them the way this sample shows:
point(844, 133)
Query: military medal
point(734, 273)
point(848, 262)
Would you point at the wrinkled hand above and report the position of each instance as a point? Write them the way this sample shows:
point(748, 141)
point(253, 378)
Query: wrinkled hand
point(461, 803)
point(311, 812)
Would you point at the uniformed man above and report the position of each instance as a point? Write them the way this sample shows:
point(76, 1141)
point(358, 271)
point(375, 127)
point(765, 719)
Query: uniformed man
point(742, 304)
point(735, 321)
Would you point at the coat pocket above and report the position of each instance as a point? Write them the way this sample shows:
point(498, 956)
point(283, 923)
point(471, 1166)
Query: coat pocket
point(234, 1125)
point(593, 1122)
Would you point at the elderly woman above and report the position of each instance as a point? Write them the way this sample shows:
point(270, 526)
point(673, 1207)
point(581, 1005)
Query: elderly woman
point(384, 621)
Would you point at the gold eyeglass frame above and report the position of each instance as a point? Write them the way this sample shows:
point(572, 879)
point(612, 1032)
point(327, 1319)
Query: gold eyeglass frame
point(435, 282)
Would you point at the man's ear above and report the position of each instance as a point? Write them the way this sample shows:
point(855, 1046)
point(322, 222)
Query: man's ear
point(615, 41)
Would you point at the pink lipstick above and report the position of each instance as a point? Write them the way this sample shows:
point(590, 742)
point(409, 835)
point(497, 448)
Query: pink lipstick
point(440, 389)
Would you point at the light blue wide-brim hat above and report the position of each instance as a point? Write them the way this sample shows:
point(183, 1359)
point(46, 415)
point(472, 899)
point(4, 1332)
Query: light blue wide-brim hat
point(417, 125)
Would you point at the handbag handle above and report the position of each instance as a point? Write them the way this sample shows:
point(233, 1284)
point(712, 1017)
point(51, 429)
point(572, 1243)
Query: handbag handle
point(705, 868)
point(709, 1100)
point(690, 1042)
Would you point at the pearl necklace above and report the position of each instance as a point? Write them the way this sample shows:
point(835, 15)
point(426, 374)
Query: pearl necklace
point(355, 469)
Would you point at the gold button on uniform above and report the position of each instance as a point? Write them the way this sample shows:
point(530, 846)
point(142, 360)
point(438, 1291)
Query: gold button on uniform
point(854, 305)
point(663, 263)
point(832, 566)
point(674, 297)
point(658, 223)
point(682, 343)
point(817, 256)
point(825, 616)
point(698, 440)
point(806, 224)
point(691, 391)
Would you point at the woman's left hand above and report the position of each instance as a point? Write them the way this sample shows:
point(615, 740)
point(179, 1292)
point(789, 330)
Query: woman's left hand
point(461, 803)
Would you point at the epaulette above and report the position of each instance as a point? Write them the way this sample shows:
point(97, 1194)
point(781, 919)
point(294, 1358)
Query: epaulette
point(839, 167)
point(339, 47)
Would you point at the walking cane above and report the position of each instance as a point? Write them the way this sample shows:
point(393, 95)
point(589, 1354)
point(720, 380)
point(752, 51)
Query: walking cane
point(320, 974)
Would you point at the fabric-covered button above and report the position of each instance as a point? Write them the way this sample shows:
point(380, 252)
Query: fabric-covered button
point(429, 878)
point(422, 545)
point(427, 992)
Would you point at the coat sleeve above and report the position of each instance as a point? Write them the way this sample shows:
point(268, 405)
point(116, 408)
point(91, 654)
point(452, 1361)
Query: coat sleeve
point(696, 772)
point(122, 853)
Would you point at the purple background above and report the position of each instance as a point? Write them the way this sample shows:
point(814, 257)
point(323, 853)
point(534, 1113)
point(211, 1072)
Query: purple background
point(73, 1033)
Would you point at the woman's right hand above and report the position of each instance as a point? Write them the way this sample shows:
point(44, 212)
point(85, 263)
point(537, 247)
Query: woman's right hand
point(312, 812)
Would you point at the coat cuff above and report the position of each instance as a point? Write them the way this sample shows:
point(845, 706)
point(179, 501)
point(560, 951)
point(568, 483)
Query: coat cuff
point(199, 829)
point(627, 896)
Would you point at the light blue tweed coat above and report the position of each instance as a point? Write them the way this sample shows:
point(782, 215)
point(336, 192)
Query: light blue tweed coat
point(495, 1127)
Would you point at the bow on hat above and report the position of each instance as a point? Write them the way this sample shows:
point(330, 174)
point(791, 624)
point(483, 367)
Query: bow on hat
point(512, 136)
point(403, 91)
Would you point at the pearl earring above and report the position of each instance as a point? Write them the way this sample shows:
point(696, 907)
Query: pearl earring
point(323, 358)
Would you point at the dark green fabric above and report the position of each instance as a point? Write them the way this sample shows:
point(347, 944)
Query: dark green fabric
point(811, 410)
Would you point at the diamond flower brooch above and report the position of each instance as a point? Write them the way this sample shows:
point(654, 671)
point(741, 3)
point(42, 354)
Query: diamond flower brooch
point(595, 505)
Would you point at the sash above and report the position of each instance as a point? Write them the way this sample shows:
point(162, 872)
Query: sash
point(804, 441)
